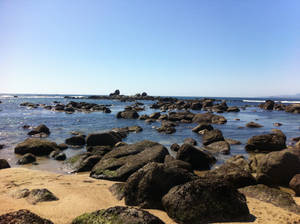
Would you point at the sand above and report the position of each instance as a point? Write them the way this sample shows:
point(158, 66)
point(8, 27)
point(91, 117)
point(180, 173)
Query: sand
point(79, 194)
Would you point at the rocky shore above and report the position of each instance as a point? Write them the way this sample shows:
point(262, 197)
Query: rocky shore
point(146, 182)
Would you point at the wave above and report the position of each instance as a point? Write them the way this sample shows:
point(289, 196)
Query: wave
point(276, 101)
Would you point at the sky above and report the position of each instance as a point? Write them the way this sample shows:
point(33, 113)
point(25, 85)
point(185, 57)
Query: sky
point(224, 48)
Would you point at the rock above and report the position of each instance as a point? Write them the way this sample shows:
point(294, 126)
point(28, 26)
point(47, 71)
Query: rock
point(38, 147)
point(118, 215)
point(268, 105)
point(2, 146)
point(107, 138)
point(295, 184)
point(212, 136)
point(267, 142)
point(209, 118)
point(135, 129)
point(22, 217)
point(293, 108)
point(176, 163)
point(77, 140)
point(166, 128)
point(219, 146)
point(196, 106)
point(118, 144)
point(119, 164)
point(144, 117)
point(241, 162)
point(23, 193)
point(199, 159)
point(277, 124)
point(62, 146)
point(118, 190)
point(233, 109)
point(203, 201)
point(57, 155)
point(40, 129)
point(202, 126)
point(83, 162)
point(144, 94)
point(155, 115)
point(146, 187)
point(253, 125)
point(296, 139)
point(116, 93)
point(4, 164)
point(175, 147)
point(27, 158)
point(128, 114)
point(40, 195)
point(271, 195)
point(190, 141)
point(232, 141)
point(277, 168)
point(231, 174)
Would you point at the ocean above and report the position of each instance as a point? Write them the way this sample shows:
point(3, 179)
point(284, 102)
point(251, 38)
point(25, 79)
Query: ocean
point(13, 117)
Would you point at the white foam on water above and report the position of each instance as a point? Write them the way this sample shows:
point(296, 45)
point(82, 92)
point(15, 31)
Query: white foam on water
point(276, 101)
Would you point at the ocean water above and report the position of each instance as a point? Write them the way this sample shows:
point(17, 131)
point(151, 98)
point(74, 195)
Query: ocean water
point(13, 117)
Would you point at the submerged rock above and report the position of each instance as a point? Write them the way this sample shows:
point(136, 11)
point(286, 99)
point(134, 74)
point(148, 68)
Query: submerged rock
point(253, 125)
point(202, 201)
point(38, 147)
point(39, 130)
point(22, 217)
point(118, 215)
point(121, 163)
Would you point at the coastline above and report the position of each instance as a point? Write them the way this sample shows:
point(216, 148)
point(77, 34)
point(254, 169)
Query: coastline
point(78, 193)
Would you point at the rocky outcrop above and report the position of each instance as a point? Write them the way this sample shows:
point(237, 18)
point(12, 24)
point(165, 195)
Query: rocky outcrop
point(4, 164)
point(38, 147)
point(271, 195)
point(267, 142)
point(118, 215)
point(22, 217)
point(199, 159)
point(293, 108)
point(106, 138)
point(203, 201)
point(209, 118)
point(146, 187)
point(212, 136)
point(277, 168)
point(120, 164)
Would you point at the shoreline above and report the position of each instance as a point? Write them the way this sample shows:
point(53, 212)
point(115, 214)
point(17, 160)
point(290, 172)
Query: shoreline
point(78, 193)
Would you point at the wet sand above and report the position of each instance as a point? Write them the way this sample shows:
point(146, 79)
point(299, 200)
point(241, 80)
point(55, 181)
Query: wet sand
point(79, 194)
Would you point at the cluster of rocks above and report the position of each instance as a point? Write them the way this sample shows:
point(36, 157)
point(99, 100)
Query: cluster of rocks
point(205, 104)
point(71, 107)
point(271, 105)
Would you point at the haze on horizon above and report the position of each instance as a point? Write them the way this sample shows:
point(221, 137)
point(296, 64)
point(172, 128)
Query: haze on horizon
point(220, 48)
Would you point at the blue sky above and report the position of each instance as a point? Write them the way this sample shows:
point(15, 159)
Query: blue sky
point(164, 47)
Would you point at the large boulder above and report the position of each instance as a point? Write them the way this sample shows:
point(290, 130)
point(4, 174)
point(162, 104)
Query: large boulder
point(268, 105)
point(205, 200)
point(106, 138)
point(271, 195)
point(146, 187)
point(4, 164)
point(119, 164)
point(38, 147)
point(118, 215)
point(219, 147)
point(267, 142)
point(22, 217)
point(202, 126)
point(78, 140)
point(128, 114)
point(82, 162)
point(39, 130)
point(209, 118)
point(232, 174)
point(198, 158)
point(212, 136)
point(277, 168)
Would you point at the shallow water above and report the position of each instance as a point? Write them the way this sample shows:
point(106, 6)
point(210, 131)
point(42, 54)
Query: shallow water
point(13, 117)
